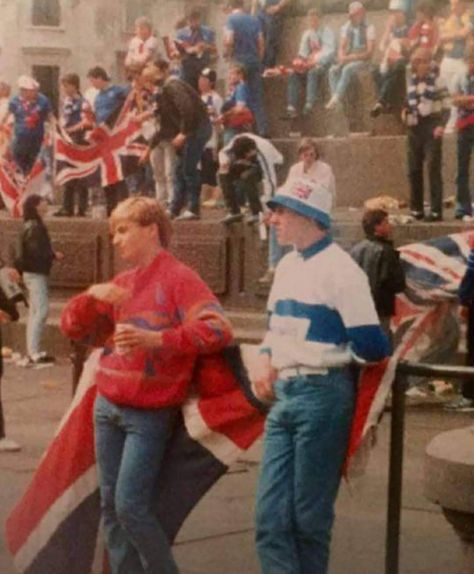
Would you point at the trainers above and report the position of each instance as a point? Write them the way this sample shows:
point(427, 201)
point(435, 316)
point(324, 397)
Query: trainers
point(291, 112)
point(333, 103)
point(9, 445)
point(188, 216)
point(232, 218)
point(460, 405)
point(376, 110)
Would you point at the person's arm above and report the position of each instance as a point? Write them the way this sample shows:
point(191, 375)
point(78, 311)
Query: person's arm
point(353, 301)
point(89, 317)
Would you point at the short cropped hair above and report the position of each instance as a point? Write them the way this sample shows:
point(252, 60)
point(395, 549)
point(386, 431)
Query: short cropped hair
point(306, 144)
point(143, 211)
point(144, 22)
point(72, 79)
point(372, 218)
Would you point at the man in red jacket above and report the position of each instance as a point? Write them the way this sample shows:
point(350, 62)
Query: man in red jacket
point(152, 322)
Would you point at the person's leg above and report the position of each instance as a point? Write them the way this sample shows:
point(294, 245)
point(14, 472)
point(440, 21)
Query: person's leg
point(415, 171)
point(38, 302)
point(313, 77)
point(147, 433)
point(293, 89)
point(322, 410)
point(275, 535)
point(434, 152)
point(348, 72)
point(109, 445)
point(464, 146)
point(255, 85)
point(157, 160)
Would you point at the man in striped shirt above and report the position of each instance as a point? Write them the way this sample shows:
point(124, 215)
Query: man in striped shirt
point(322, 319)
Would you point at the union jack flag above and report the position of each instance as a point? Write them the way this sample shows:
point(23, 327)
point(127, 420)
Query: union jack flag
point(15, 186)
point(55, 526)
point(111, 155)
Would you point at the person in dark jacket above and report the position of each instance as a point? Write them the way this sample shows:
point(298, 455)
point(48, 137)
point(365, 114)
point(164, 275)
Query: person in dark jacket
point(377, 257)
point(8, 313)
point(465, 403)
point(184, 121)
point(34, 260)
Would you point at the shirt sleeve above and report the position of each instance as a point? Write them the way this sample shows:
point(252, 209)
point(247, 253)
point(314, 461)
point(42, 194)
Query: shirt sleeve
point(203, 328)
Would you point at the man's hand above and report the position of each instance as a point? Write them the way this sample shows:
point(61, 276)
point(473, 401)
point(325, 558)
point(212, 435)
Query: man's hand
point(131, 337)
point(4, 317)
point(178, 141)
point(263, 378)
point(13, 275)
point(108, 293)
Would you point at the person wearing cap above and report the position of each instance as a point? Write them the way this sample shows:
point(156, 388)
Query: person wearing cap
point(196, 44)
point(30, 110)
point(357, 40)
point(319, 324)
point(209, 163)
point(316, 53)
point(143, 47)
point(425, 113)
point(109, 99)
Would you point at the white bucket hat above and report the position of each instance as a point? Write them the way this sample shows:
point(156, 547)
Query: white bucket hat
point(306, 198)
point(27, 83)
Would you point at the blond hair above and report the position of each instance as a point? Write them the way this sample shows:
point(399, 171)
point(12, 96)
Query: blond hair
point(143, 211)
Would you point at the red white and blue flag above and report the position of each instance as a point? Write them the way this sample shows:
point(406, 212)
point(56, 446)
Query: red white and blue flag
point(55, 526)
point(15, 186)
point(111, 154)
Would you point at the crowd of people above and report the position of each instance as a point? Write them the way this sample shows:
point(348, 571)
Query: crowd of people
point(172, 83)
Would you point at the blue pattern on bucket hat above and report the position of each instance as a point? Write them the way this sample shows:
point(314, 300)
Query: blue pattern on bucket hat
point(307, 198)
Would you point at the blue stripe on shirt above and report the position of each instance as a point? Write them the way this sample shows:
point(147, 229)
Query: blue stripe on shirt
point(369, 342)
point(325, 326)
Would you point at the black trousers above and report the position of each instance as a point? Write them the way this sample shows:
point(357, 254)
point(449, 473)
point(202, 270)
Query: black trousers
point(423, 146)
point(75, 190)
point(115, 193)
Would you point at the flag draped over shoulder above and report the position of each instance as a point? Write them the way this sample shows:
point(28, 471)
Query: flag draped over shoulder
point(111, 154)
point(55, 526)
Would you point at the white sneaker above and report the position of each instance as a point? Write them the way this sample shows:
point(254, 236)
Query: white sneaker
point(9, 445)
point(333, 103)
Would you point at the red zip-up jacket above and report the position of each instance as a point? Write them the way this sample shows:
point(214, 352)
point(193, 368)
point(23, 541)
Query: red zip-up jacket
point(166, 296)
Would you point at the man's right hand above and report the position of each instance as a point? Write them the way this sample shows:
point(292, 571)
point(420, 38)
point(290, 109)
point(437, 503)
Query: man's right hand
point(108, 293)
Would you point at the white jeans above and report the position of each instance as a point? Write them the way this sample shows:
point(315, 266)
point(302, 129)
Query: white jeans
point(38, 305)
point(163, 163)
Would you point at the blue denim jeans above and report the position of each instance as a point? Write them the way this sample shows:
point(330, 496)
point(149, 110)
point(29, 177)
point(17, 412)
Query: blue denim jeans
point(311, 78)
point(38, 306)
point(187, 182)
point(341, 76)
point(306, 438)
point(129, 447)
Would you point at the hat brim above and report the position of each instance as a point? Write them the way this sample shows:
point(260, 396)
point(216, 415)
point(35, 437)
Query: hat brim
point(301, 208)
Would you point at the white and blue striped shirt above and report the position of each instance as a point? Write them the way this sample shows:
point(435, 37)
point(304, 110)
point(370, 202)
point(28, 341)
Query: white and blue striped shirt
point(321, 313)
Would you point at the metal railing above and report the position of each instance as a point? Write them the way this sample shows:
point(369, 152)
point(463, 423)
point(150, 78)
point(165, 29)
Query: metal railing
point(397, 432)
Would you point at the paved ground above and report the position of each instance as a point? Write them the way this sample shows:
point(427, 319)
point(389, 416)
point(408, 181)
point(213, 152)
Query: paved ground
point(218, 537)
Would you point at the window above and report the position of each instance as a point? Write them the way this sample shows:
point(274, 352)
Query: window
point(46, 13)
point(133, 10)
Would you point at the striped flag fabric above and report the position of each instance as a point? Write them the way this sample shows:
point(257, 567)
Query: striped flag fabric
point(55, 527)
point(111, 154)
